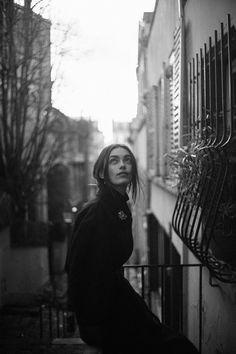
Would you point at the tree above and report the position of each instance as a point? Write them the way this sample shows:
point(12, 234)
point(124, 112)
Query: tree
point(26, 149)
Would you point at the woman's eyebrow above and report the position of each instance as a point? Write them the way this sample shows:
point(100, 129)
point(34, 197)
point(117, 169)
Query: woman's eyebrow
point(127, 155)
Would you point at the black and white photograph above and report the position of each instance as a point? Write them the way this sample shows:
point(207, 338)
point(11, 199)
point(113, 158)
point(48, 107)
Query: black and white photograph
point(117, 177)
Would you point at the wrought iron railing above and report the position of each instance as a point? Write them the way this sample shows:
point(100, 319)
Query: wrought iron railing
point(205, 212)
point(170, 295)
point(168, 300)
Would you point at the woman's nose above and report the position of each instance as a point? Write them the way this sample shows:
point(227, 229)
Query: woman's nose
point(122, 163)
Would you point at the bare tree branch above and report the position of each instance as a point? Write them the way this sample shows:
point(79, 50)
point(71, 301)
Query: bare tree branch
point(25, 100)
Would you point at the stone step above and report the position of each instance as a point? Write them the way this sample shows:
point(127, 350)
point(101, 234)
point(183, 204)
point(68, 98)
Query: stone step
point(68, 341)
point(86, 349)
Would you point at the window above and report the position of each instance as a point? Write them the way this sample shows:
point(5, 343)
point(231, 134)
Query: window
point(204, 215)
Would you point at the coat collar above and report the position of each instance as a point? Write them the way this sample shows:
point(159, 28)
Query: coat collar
point(115, 203)
point(108, 191)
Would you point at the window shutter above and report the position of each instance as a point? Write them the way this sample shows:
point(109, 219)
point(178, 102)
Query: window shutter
point(175, 91)
point(152, 130)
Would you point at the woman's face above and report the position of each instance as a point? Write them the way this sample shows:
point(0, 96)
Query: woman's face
point(120, 168)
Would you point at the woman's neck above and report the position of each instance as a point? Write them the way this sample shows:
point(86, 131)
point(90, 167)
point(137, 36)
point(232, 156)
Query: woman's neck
point(120, 189)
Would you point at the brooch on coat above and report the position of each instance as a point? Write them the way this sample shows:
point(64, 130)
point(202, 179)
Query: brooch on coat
point(122, 216)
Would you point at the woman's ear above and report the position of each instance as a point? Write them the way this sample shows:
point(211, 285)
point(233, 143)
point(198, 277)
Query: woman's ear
point(101, 174)
point(102, 171)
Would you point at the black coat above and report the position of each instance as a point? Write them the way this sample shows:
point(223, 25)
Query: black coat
point(109, 312)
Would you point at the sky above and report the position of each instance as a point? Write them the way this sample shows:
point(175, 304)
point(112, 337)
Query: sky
point(96, 76)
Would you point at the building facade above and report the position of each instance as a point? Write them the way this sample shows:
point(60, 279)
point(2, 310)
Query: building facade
point(184, 139)
point(79, 142)
point(120, 132)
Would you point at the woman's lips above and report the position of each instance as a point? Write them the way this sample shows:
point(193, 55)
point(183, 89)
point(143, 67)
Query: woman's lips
point(122, 174)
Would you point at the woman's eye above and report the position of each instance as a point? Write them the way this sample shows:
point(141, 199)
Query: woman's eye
point(128, 160)
point(113, 161)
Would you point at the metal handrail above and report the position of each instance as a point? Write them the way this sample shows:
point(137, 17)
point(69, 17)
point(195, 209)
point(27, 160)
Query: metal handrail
point(145, 290)
point(54, 316)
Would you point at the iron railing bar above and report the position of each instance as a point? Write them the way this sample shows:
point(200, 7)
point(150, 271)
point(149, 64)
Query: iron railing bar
point(149, 288)
point(197, 92)
point(166, 265)
point(222, 170)
point(205, 93)
point(190, 100)
point(42, 306)
point(142, 282)
point(178, 209)
point(204, 191)
point(173, 221)
point(230, 81)
point(181, 302)
point(193, 98)
point(207, 214)
point(216, 88)
point(223, 86)
point(194, 239)
point(58, 321)
point(169, 275)
point(181, 209)
point(185, 225)
point(186, 211)
point(50, 320)
point(162, 295)
point(187, 130)
point(200, 309)
point(190, 209)
point(212, 80)
point(194, 207)
point(64, 317)
point(218, 191)
point(202, 92)
point(210, 91)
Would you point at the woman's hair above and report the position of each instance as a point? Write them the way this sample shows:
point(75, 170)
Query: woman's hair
point(100, 170)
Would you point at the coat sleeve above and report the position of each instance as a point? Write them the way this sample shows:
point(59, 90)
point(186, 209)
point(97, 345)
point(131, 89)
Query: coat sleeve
point(91, 278)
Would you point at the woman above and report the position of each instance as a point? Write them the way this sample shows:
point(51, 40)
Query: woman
point(110, 314)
